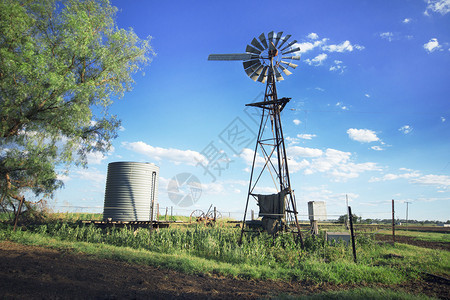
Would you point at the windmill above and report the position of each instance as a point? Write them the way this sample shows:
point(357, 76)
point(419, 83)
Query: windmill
point(264, 60)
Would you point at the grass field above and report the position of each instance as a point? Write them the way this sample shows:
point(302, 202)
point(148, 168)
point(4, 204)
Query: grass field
point(215, 250)
point(198, 249)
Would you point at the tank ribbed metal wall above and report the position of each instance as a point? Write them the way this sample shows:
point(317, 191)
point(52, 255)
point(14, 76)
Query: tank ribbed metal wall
point(131, 187)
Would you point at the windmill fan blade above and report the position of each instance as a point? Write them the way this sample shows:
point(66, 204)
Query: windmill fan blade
point(291, 57)
point(277, 39)
point(263, 40)
point(289, 64)
point(249, 63)
point(278, 75)
point(252, 50)
point(256, 73)
point(257, 44)
point(251, 70)
point(285, 71)
point(270, 36)
point(289, 45)
point(235, 56)
point(271, 46)
point(284, 40)
point(262, 76)
point(292, 50)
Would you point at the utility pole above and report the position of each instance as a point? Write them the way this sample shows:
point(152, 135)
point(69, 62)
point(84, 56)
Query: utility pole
point(347, 218)
point(393, 222)
point(407, 202)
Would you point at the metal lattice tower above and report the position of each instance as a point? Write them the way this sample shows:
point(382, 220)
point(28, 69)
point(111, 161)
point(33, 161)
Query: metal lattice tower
point(262, 62)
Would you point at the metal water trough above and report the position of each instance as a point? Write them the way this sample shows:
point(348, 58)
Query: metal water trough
point(338, 236)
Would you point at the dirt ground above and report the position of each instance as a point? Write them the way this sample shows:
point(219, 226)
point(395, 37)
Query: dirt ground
point(413, 241)
point(28, 272)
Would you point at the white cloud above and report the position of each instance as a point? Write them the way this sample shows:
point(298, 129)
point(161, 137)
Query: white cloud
point(345, 46)
point(247, 154)
point(338, 66)
point(439, 180)
point(367, 95)
point(308, 46)
point(313, 36)
point(318, 60)
point(341, 106)
point(291, 140)
point(335, 201)
point(439, 6)
point(442, 119)
point(405, 129)
point(96, 158)
point(387, 35)
point(335, 163)
point(295, 166)
point(296, 122)
point(338, 165)
point(92, 175)
point(176, 156)
point(406, 20)
point(432, 45)
point(303, 152)
point(63, 177)
point(377, 148)
point(265, 190)
point(213, 188)
point(390, 176)
point(306, 136)
point(319, 89)
point(362, 135)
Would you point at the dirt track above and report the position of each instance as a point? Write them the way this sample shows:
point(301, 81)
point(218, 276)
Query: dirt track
point(412, 241)
point(28, 272)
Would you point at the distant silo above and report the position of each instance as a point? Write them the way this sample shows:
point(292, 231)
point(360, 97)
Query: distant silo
point(131, 188)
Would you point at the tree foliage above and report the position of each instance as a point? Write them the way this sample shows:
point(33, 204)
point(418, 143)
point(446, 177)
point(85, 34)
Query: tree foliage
point(343, 218)
point(61, 63)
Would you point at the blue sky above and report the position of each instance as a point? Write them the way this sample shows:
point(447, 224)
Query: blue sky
point(369, 115)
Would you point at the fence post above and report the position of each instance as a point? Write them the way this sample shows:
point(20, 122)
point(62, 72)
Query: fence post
point(393, 222)
point(352, 233)
point(165, 217)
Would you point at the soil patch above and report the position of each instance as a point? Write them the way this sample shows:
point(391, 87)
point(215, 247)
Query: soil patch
point(412, 241)
point(29, 272)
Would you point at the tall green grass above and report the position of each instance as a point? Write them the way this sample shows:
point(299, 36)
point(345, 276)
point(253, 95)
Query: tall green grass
point(259, 256)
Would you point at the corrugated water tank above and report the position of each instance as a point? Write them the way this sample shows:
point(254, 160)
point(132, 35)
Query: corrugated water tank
point(131, 188)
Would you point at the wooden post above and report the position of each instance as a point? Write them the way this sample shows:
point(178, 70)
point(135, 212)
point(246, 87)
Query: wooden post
point(18, 212)
point(171, 213)
point(346, 219)
point(393, 222)
point(165, 217)
point(215, 211)
point(253, 215)
point(157, 211)
point(352, 233)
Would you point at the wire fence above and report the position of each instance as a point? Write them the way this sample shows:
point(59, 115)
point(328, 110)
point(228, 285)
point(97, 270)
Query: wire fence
point(175, 211)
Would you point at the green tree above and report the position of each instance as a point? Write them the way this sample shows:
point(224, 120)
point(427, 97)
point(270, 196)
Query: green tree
point(342, 219)
point(61, 63)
